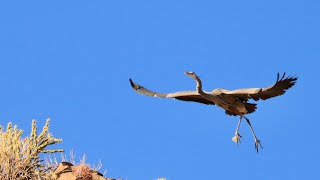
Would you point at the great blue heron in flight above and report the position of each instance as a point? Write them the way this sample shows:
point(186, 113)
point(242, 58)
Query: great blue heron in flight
point(234, 102)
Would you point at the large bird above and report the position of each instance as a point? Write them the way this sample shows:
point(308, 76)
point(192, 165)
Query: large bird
point(234, 102)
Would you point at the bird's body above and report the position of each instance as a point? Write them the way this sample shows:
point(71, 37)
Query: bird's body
point(231, 104)
point(234, 102)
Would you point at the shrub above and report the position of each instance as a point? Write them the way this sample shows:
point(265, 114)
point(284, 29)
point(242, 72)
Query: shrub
point(20, 157)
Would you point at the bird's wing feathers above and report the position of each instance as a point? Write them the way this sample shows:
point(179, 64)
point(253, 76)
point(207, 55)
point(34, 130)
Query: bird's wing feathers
point(142, 90)
point(279, 88)
point(189, 96)
point(183, 95)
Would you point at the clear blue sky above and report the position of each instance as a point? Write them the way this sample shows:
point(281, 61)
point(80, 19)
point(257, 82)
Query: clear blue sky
point(71, 61)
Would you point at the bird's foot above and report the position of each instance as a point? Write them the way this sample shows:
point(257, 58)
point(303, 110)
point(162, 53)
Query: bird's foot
point(236, 138)
point(256, 144)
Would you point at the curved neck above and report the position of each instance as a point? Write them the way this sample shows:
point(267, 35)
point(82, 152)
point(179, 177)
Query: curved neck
point(199, 85)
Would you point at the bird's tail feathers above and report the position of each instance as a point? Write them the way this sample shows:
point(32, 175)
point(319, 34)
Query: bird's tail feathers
point(250, 107)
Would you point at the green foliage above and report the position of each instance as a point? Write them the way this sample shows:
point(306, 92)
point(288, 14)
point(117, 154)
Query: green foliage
point(19, 157)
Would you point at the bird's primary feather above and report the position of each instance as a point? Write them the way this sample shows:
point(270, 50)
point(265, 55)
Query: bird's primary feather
point(279, 88)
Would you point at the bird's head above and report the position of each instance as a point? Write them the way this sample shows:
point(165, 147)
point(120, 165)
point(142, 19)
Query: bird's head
point(192, 75)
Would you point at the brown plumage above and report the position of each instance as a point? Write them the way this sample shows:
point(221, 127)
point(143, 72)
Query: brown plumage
point(234, 102)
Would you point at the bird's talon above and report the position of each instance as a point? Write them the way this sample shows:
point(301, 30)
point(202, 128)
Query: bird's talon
point(256, 144)
point(236, 138)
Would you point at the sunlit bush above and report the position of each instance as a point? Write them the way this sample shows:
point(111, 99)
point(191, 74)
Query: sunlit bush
point(20, 157)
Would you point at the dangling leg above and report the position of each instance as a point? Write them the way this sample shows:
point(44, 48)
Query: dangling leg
point(256, 140)
point(237, 136)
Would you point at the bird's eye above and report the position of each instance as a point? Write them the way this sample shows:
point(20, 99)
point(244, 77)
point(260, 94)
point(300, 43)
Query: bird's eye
point(191, 72)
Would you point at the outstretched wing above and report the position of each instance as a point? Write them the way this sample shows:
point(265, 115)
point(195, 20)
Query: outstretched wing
point(282, 84)
point(183, 95)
